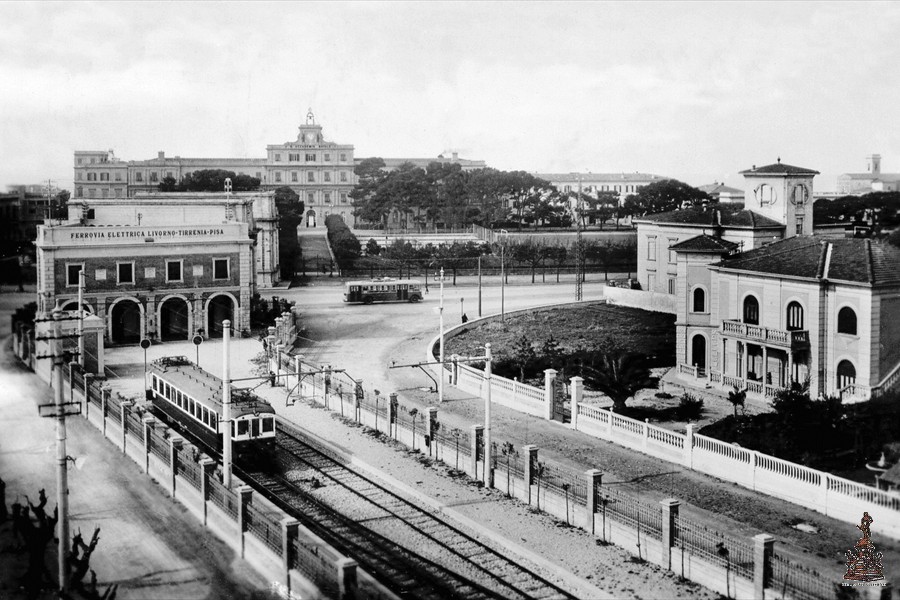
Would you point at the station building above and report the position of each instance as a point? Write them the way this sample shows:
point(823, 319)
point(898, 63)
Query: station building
point(160, 266)
point(761, 302)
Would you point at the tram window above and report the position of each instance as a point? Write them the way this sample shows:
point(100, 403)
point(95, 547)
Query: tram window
point(268, 424)
point(254, 428)
point(242, 427)
point(191, 406)
point(232, 429)
point(166, 390)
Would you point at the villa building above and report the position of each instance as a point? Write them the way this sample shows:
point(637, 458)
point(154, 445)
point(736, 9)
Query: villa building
point(761, 302)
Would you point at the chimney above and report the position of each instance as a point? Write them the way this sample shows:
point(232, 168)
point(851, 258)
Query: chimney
point(874, 164)
point(161, 155)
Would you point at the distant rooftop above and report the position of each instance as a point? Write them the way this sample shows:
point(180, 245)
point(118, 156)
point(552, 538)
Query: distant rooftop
point(713, 215)
point(599, 177)
point(705, 244)
point(778, 168)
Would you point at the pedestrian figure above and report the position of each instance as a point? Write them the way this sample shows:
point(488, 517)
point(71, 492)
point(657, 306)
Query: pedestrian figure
point(465, 319)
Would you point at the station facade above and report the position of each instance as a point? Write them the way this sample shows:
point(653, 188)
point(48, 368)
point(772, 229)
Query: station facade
point(163, 267)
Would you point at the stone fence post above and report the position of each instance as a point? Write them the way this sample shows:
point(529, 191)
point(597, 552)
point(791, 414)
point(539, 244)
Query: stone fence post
point(530, 454)
point(175, 444)
point(549, 389)
point(763, 548)
point(124, 407)
point(669, 514)
point(148, 424)
point(689, 445)
point(475, 441)
point(244, 495)
point(289, 531)
point(576, 394)
point(208, 467)
point(594, 480)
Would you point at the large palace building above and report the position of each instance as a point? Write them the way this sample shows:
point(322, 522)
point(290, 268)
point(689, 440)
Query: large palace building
point(319, 171)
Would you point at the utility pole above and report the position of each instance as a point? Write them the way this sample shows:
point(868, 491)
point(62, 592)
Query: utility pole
point(479, 286)
point(226, 404)
point(488, 471)
point(441, 311)
point(579, 247)
point(81, 324)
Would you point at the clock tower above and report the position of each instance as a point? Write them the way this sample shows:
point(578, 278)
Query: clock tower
point(310, 132)
point(784, 193)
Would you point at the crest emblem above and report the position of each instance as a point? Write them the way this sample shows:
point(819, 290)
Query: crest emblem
point(863, 562)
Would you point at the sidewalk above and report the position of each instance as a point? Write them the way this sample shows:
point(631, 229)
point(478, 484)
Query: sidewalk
point(149, 545)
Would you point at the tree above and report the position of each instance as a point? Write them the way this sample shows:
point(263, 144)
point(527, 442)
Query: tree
point(558, 254)
point(290, 216)
point(169, 184)
point(59, 208)
point(213, 180)
point(665, 195)
point(737, 397)
point(619, 375)
point(372, 248)
point(523, 355)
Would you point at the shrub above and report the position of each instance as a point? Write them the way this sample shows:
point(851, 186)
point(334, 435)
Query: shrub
point(664, 395)
point(344, 244)
point(690, 407)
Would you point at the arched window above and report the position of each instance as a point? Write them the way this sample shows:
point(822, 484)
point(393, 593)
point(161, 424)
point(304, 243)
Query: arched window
point(846, 374)
point(794, 316)
point(846, 321)
point(699, 304)
point(751, 310)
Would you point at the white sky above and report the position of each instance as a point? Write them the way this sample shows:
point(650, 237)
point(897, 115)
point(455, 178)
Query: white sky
point(696, 91)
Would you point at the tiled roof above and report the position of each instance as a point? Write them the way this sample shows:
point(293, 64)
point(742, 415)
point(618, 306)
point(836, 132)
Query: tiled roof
point(871, 176)
point(713, 216)
point(719, 188)
point(590, 178)
point(704, 243)
point(779, 168)
point(859, 260)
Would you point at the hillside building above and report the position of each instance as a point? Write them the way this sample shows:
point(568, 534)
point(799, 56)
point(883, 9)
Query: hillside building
point(873, 180)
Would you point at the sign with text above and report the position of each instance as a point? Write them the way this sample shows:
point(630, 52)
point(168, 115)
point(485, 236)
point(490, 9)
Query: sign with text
point(161, 234)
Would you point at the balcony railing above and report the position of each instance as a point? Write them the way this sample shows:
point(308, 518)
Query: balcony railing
point(777, 337)
point(751, 385)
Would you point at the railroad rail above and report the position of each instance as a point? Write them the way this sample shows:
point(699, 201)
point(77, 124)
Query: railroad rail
point(428, 537)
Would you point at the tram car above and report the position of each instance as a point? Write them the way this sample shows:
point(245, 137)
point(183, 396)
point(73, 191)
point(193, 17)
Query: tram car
point(190, 399)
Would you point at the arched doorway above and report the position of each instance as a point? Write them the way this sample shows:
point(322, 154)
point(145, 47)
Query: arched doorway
point(126, 322)
point(174, 321)
point(310, 218)
point(846, 374)
point(220, 307)
point(698, 351)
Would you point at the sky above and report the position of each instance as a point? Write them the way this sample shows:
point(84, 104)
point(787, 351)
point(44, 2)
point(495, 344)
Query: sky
point(697, 91)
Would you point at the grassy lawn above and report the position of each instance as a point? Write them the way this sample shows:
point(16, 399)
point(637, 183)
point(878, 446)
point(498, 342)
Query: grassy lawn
point(586, 326)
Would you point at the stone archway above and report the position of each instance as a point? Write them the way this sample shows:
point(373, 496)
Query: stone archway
point(310, 218)
point(219, 308)
point(125, 322)
point(174, 319)
point(698, 351)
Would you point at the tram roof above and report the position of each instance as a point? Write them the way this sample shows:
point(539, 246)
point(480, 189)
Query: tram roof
point(384, 280)
point(206, 388)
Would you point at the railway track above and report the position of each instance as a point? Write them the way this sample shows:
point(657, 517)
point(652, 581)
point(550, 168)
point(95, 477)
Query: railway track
point(430, 557)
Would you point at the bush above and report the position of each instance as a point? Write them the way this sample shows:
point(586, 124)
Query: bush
point(690, 407)
point(664, 395)
point(344, 244)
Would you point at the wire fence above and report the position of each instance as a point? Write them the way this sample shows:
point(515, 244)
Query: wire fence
point(714, 547)
point(263, 527)
point(800, 583)
point(313, 561)
point(626, 510)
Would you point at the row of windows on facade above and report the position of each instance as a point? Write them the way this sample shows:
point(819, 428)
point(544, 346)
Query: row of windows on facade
point(308, 156)
point(604, 188)
point(153, 176)
point(174, 271)
point(846, 321)
point(80, 192)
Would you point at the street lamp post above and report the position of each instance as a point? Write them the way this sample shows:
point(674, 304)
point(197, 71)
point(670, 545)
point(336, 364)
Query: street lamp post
point(81, 321)
point(503, 233)
point(479, 286)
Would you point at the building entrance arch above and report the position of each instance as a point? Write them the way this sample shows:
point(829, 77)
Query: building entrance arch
point(125, 322)
point(219, 308)
point(174, 319)
point(310, 218)
point(698, 351)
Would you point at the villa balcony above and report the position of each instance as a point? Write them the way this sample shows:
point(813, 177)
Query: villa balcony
point(784, 338)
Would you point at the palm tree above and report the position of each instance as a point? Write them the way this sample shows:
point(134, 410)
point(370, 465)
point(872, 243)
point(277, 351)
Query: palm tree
point(619, 376)
point(737, 398)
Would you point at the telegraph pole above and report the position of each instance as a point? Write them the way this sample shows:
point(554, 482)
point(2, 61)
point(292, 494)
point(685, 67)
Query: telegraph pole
point(226, 404)
point(479, 286)
point(441, 311)
point(488, 471)
point(81, 325)
point(579, 247)
point(62, 476)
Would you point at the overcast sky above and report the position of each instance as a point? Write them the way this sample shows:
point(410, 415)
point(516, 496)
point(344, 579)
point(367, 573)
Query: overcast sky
point(697, 91)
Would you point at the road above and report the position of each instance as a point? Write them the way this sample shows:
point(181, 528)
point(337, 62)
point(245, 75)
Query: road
point(365, 339)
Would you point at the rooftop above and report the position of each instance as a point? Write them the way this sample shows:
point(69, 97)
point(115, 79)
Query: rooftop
point(719, 188)
point(858, 260)
point(778, 168)
point(599, 177)
point(714, 215)
point(705, 244)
